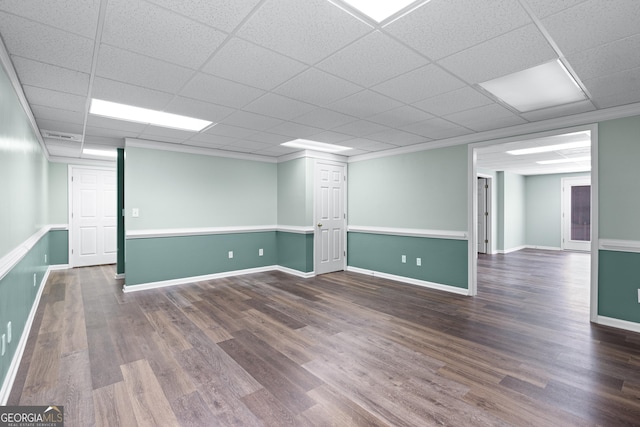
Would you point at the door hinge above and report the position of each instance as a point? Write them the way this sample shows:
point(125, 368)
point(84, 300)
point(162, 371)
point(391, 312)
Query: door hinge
point(486, 186)
point(486, 241)
point(71, 251)
point(72, 179)
point(486, 214)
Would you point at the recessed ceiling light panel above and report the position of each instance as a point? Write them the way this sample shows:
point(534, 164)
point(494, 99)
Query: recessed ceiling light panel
point(99, 153)
point(543, 86)
point(130, 113)
point(549, 148)
point(315, 145)
point(568, 160)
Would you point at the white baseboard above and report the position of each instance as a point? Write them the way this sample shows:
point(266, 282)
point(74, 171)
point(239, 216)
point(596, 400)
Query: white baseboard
point(508, 251)
point(5, 391)
point(617, 323)
point(544, 248)
point(409, 280)
point(59, 267)
point(184, 280)
point(119, 276)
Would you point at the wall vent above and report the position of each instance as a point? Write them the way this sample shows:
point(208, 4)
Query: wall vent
point(62, 136)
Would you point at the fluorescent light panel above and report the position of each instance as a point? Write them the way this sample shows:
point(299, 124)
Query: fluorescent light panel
point(379, 10)
point(315, 145)
point(569, 160)
point(100, 153)
point(548, 148)
point(543, 86)
point(130, 113)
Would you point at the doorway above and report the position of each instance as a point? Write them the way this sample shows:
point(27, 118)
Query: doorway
point(92, 216)
point(330, 216)
point(576, 214)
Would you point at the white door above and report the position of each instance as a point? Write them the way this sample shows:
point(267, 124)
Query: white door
point(93, 216)
point(576, 213)
point(330, 217)
point(483, 215)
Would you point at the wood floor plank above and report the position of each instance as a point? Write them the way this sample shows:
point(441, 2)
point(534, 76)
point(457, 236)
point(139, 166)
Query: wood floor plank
point(113, 406)
point(74, 381)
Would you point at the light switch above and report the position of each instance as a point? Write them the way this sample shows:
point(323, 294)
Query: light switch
point(404, 259)
point(418, 261)
point(135, 212)
point(230, 254)
point(260, 252)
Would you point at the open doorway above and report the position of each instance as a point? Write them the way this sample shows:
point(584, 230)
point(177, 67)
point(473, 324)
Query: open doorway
point(528, 175)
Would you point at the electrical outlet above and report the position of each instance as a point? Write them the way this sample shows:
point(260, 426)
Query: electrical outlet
point(404, 259)
point(638, 296)
point(9, 332)
point(34, 279)
point(4, 345)
point(230, 254)
point(260, 252)
point(418, 261)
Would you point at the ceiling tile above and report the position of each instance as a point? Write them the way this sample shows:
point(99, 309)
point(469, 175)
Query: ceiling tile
point(56, 114)
point(454, 101)
point(330, 137)
point(131, 68)
point(209, 139)
point(295, 130)
point(436, 129)
point(364, 104)
point(593, 23)
point(252, 65)
point(501, 56)
point(249, 120)
point(220, 91)
point(160, 138)
point(372, 59)
point(198, 109)
point(400, 116)
point(100, 132)
point(360, 128)
point(367, 144)
point(129, 128)
point(419, 84)
point(54, 99)
point(249, 145)
point(397, 137)
point(544, 8)
point(625, 81)
point(35, 41)
point(222, 14)
point(150, 30)
point(276, 151)
point(63, 149)
point(606, 59)
point(123, 93)
point(307, 31)
point(317, 87)
point(274, 105)
point(268, 138)
point(561, 110)
point(628, 97)
point(324, 118)
point(482, 118)
point(59, 126)
point(443, 27)
point(61, 14)
point(230, 131)
point(175, 134)
point(51, 77)
point(104, 141)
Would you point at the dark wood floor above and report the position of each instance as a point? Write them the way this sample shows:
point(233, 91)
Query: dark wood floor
point(340, 349)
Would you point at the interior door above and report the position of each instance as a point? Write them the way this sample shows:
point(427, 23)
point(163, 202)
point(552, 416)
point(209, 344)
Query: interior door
point(576, 213)
point(483, 215)
point(330, 215)
point(93, 217)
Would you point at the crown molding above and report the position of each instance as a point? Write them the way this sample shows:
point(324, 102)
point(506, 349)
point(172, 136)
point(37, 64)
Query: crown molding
point(311, 154)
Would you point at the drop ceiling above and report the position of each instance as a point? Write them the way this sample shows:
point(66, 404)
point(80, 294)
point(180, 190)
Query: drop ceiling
point(270, 71)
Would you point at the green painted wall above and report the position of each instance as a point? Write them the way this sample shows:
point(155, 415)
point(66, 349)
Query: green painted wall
point(443, 261)
point(292, 193)
point(619, 205)
point(179, 190)
point(23, 173)
point(511, 211)
point(166, 258)
point(58, 193)
point(424, 190)
point(295, 251)
point(543, 209)
point(58, 247)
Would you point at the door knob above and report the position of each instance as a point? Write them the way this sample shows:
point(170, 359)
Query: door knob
point(319, 224)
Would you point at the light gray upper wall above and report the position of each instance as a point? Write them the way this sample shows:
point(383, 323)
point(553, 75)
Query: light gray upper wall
point(292, 193)
point(23, 173)
point(58, 193)
point(543, 206)
point(180, 190)
point(423, 190)
point(619, 178)
point(513, 211)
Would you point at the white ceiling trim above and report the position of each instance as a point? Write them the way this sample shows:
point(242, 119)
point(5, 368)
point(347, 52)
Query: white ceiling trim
point(523, 131)
point(312, 155)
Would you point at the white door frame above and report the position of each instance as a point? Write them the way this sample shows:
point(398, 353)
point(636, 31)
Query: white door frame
point(315, 207)
point(472, 212)
point(70, 169)
point(566, 209)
